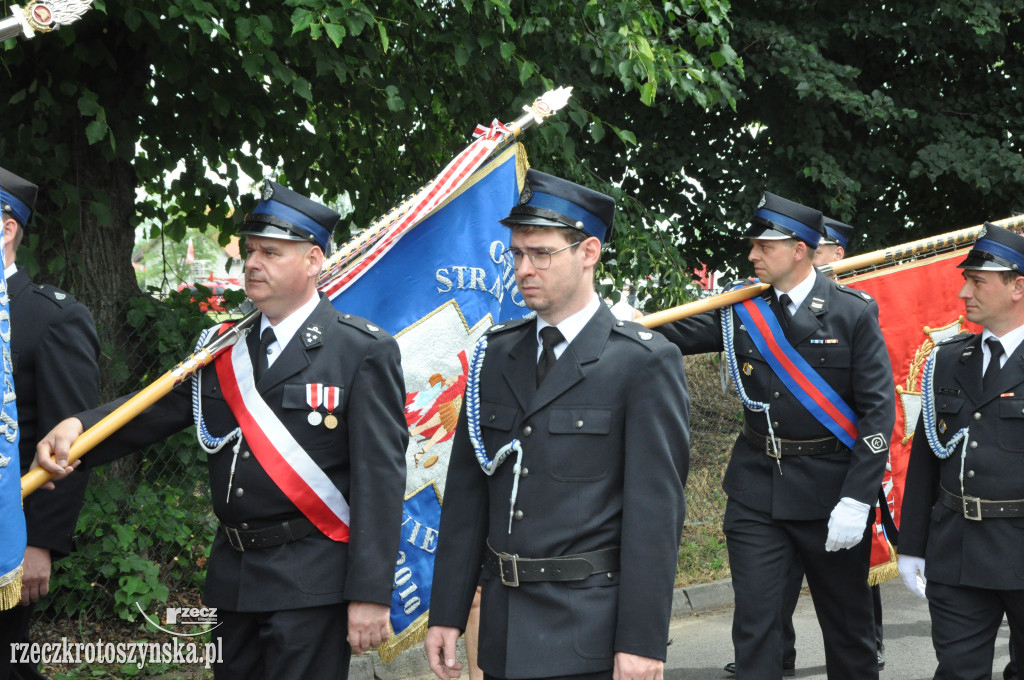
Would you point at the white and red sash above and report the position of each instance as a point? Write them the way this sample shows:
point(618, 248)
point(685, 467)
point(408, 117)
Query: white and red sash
point(283, 458)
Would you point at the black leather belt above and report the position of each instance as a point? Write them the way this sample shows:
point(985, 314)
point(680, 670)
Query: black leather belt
point(793, 447)
point(976, 508)
point(513, 570)
point(279, 534)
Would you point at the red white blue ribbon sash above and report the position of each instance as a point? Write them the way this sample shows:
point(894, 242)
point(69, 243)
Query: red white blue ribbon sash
point(283, 458)
point(810, 389)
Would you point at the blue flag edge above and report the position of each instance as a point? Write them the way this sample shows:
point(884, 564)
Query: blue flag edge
point(12, 527)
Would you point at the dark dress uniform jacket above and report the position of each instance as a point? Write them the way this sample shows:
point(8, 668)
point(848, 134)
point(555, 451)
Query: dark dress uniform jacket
point(605, 443)
point(836, 330)
point(54, 351)
point(364, 457)
point(958, 551)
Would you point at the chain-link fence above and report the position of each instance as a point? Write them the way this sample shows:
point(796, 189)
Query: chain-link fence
point(146, 525)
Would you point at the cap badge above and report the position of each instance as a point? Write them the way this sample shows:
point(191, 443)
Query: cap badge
point(526, 194)
point(268, 191)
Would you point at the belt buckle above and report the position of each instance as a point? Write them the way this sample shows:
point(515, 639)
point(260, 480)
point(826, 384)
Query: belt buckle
point(503, 559)
point(972, 503)
point(233, 538)
point(768, 448)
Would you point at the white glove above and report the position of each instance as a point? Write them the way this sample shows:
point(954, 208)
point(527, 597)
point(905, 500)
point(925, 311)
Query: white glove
point(847, 525)
point(912, 571)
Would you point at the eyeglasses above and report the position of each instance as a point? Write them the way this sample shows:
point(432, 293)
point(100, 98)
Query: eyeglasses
point(540, 258)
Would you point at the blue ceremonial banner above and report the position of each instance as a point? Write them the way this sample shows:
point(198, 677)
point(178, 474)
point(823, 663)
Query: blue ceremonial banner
point(12, 518)
point(437, 289)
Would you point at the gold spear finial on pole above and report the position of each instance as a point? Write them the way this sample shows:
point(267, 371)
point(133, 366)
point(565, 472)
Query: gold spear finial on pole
point(544, 106)
point(42, 16)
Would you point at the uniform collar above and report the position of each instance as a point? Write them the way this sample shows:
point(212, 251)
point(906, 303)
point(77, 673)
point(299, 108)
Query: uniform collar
point(570, 326)
point(800, 291)
point(288, 326)
point(1010, 342)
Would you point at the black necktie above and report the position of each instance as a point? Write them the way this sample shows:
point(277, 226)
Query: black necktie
point(995, 349)
point(784, 301)
point(549, 337)
point(261, 354)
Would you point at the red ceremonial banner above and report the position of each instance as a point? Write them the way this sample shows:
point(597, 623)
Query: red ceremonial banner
point(918, 307)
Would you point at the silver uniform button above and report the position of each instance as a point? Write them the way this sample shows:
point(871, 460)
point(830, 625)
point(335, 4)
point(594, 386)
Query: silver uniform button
point(775, 395)
point(525, 473)
point(245, 455)
point(974, 445)
point(977, 416)
point(579, 424)
point(775, 424)
point(239, 492)
point(243, 525)
point(518, 515)
point(970, 473)
point(528, 430)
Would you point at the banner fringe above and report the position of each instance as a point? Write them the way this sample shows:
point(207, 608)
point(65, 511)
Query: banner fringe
point(880, 573)
point(10, 589)
point(396, 644)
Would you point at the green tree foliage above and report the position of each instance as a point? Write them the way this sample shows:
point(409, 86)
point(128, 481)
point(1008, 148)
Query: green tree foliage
point(903, 119)
point(338, 97)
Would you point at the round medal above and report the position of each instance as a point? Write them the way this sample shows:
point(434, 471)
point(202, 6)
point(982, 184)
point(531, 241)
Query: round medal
point(314, 418)
point(330, 421)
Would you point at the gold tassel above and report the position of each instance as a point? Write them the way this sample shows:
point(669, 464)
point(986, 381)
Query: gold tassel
point(10, 589)
point(884, 572)
point(395, 645)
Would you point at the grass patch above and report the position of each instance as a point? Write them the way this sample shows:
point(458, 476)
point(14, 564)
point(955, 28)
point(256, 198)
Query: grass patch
point(702, 555)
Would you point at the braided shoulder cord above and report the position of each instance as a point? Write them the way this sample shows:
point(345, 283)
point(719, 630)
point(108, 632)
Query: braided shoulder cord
point(208, 442)
point(929, 415)
point(728, 345)
point(488, 465)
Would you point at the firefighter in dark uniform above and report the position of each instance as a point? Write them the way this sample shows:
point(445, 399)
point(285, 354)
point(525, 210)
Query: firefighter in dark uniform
point(800, 487)
point(305, 425)
point(962, 526)
point(567, 472)
point(54, 352)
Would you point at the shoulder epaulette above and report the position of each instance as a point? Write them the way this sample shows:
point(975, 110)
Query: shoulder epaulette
point(510, 324)
point(54, 294)
point(638, 333)
point(959, 337)
point(362, 324)
point(859, 294)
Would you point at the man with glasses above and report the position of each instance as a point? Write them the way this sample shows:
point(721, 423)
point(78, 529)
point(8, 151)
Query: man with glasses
point(811, 367)
point(566, 475)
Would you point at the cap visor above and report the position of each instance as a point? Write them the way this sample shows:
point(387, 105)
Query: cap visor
point(975, 261)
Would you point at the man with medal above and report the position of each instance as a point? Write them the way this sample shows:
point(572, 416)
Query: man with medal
point(811, 367)
point(567, 470)
point(304, 426)
point(962, 522)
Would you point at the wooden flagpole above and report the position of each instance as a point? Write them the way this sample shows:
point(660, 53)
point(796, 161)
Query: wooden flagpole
point(885, 256)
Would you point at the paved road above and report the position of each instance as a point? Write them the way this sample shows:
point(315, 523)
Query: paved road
point(702, 644)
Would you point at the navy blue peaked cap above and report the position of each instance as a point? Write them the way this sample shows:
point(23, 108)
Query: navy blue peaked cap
point(552, 202)
point(996, 249)
point(284, 214)
point(17, 195)
point(836, 232)
point(779, 218)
